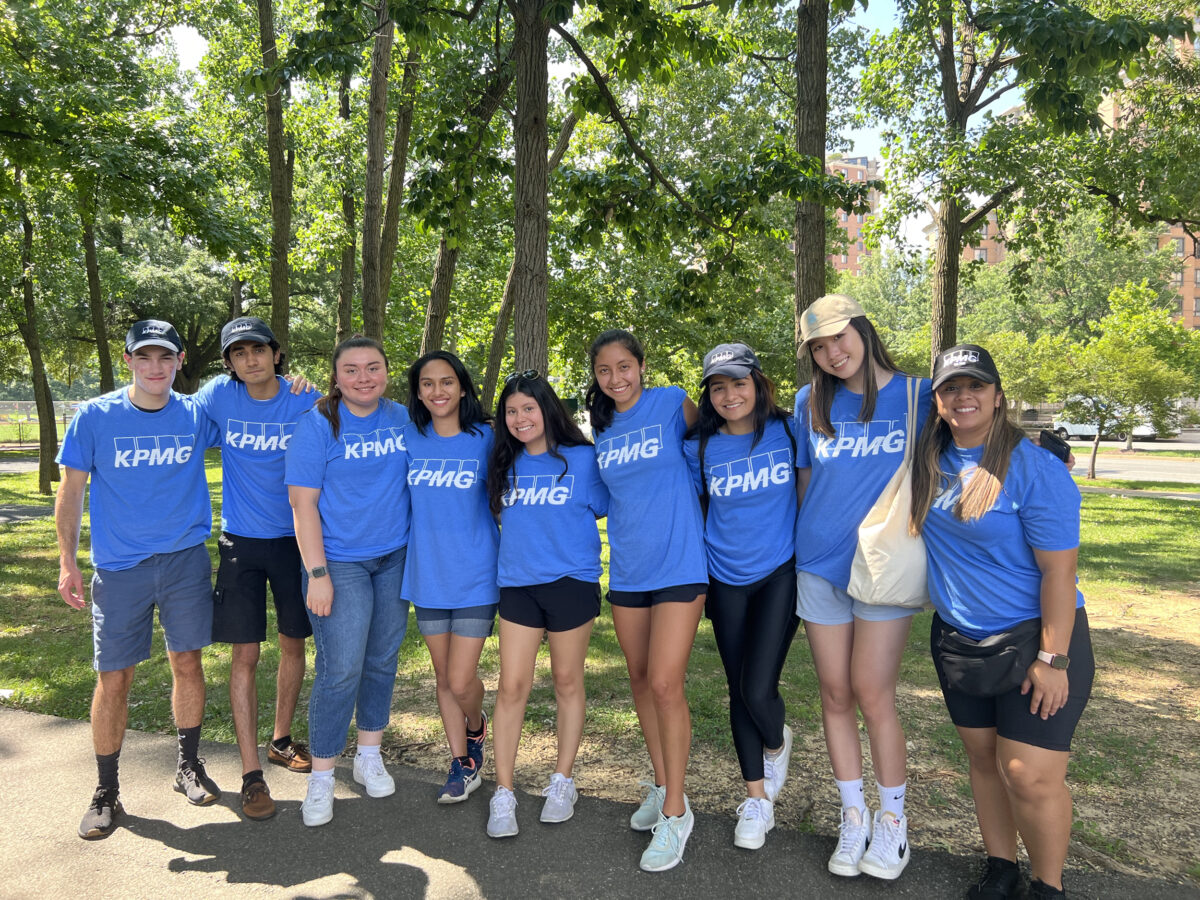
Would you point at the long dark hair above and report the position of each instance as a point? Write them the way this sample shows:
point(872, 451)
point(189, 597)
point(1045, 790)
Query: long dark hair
point(330, 405)
point(470, 411)
point(709, 421)
point(824, 385)
point(599, 405)
point(561, 431)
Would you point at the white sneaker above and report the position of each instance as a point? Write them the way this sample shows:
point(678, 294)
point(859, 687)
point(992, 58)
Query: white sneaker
point(775, 770)
point(853, 835)
point(888, 854)
point(317, 808)
point(647, 815)
point(756, 817)
point(670, 837)
point(370, 773)
point(560, 799)
point(502, 814)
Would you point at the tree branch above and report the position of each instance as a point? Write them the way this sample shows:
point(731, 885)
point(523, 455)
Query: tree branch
point(981, 211)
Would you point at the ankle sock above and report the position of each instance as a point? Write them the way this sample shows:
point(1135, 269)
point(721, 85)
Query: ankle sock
point(475, 732)
point(251, 777)
point(852, 794)
point(322, 775)
point(281, 743)
point(189, 744)
point(365, 750)
point(891, 799)
point(106, 770)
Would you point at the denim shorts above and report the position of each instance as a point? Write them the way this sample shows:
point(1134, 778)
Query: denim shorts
point(470, 621)
point(123, 602)
point(822, 603)
point(240, 597)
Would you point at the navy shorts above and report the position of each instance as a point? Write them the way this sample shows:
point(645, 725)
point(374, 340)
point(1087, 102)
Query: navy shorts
point(1009, 713)
point(558, 606)
point(240, 597)
point(678, 593)
point(123, 603)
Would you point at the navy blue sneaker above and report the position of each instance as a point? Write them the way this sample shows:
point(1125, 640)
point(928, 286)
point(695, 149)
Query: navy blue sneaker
point(460, 782)
point(475, 745)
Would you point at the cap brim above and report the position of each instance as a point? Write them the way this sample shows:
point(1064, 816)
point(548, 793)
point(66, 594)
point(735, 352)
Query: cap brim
point(733, 371)
point(827, 330)
point(971, 371)
point(152, 342)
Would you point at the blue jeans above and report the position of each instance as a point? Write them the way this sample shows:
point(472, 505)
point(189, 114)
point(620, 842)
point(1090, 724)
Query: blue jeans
point(357, 646)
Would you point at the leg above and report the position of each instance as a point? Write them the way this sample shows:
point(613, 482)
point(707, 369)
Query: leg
point(110, 709)
point(465, 682)
point(518, 656)
point(874, 672)
point(832, 646)
point(568, 650)
point(672, 633)
point(187, 691)
point(243, 700)
point(728, 608)
point(1035, 780)
point(992, 807)
point(288, 681)
point(632, 626)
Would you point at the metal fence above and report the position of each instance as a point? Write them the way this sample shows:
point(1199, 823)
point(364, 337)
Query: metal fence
point(19, 420)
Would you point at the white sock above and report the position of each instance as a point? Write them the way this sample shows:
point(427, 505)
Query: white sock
point(365, 750)
point(852, 794)
point(891, 799)
point(322, 775)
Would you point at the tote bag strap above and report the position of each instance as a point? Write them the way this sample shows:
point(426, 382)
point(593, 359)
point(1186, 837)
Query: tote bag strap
point(913, 390)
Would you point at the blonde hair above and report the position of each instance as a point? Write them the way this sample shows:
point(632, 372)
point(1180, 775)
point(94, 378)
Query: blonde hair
point(980, 493)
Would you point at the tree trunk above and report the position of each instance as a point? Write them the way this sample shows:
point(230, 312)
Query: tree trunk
point(530, 269)
point(27, 326)
point(946, 263)
point(395, 194)
point(381, 63)
point(491, 374)
point(345, 306)
point(812, 110)
point(95, 300)
point(439, 297)
point(1091, 472)
point(235, 297)
point(281, 161)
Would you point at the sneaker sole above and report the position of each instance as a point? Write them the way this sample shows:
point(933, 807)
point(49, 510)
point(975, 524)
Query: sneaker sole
point(552, 821)
point(209, 799)
point(866, 867)
point(678, 859)
point(468, 788)
point(751, 843)
point(375, 793)
point(503, 834)
point(314, 823)
point(844, 869)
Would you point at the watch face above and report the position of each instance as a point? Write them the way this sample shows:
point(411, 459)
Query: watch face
point(318, 572)
point(1060, 662)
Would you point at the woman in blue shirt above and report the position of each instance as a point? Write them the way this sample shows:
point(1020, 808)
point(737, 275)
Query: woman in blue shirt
point(345, 458)
point(1000, 519)
point(742, 455)
point(544, 484)
point(451, 572)
point(657, 572)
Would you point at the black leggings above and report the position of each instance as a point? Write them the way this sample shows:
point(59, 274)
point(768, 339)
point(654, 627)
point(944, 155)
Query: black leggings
point(754, 625)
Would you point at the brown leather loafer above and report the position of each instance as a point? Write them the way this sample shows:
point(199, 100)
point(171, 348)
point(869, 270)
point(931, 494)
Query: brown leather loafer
point(294, 757)
point(256, 801)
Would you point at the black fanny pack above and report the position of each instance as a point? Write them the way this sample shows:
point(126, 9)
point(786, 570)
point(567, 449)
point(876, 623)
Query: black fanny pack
point(992, 666)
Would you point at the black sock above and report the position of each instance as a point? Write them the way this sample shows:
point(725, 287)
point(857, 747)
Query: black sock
point(106, 768)
point(475, 732)
point(189, 744)
point(282, 743)
point(250, 777)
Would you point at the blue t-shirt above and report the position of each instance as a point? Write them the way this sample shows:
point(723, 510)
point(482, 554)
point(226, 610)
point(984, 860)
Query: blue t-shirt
point(548, 521)
point(655, 534)
point(750, 530)
point(361, 474)
point(452, 557)
point(255, 436)
point(849, 471)
point(983, 576)
point(148, 493)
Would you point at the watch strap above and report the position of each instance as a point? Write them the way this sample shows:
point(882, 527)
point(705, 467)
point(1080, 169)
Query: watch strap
point(1054, 660)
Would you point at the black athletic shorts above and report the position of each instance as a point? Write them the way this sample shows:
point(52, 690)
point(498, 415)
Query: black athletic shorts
point(558, 606)
point(1009, 713)
point(678, 593)
point(240, 596)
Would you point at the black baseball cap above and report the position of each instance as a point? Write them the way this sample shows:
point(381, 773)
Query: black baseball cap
point(245, 328)
point(734, 360)
point(964, 359)
point(153, 333)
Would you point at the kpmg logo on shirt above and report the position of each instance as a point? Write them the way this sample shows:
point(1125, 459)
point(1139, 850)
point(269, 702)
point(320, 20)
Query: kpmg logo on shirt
point(539, 490)
point(258, 436)
point(629, 447)
point(380, 442)
point(443, 473)
point(153, 450)
point(754, 473)
point(876, 438)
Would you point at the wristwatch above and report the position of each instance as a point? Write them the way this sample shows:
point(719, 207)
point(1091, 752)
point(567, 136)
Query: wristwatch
point(1054, 660)
point(321, 572)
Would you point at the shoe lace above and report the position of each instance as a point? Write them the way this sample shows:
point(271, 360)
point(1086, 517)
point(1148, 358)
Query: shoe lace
point(653, 792)
point(103, 797)
point(666, 835)
point(850, 831)
point(373, 765)
point(886, 838)
point(559, 790)
point(319, 789)
point(752, 808)
point(503, 803)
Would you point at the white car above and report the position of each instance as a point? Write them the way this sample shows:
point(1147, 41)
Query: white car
point(1077, 432)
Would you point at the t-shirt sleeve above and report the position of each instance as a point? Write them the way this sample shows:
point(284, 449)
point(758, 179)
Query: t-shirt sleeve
point(691, 452)
point(1049, 500)
point(305, 461)
point(77, 450)
point(800, 423)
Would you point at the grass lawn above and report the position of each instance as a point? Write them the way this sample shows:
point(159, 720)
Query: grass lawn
point(1140, 451)
point(1127, 484)
point(1132, 771)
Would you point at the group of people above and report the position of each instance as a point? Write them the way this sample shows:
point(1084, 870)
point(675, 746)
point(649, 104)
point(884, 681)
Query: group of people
point(728, 507)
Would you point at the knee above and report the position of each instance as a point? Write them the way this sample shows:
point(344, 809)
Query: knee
point(878, 703)
point(639, 678)
point(114, 684)
point(568, 686)
point(837, 697)
point(464, 691)
point(514, 688)
point(245, 656)
point(291, 648)
point(666, 688)
point(187, 666)
point(1028, 783)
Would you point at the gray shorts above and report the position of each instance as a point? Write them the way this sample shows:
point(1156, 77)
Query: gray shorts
point(822, 603)
point(123, 602)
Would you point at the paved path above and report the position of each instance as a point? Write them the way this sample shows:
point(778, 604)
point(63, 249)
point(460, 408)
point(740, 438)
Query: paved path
point(403, 846)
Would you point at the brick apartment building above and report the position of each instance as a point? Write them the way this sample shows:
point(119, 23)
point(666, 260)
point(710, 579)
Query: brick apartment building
point(854, 168)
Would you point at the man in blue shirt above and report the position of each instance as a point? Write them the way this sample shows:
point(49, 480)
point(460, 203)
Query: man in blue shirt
point(142, 447)
point(256, 412)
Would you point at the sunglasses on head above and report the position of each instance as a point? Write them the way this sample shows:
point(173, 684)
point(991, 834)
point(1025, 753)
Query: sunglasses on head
point(528, 373)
